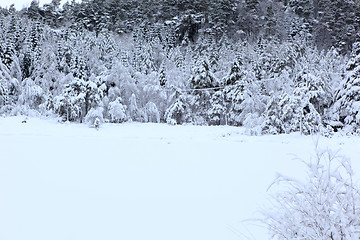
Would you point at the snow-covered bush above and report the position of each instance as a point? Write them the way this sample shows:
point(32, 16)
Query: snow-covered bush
point(117, 111)
point(253, 123)
point(324, 206)
point(94, 116)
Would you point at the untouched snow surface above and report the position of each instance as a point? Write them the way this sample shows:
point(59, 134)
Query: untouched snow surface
point(143, 181)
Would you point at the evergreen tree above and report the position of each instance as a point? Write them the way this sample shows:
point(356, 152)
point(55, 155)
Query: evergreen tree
point(52, 15)
point(34, 11)
point(244, 96)
point(217, 111)
point(347, 98)
point(71, 104)
point(78, 98)
point(203, 85)
point(270, 23)
point(179, 112)
point(235, 75)
point(162, 77)
point(291, 113)
point(4, 88)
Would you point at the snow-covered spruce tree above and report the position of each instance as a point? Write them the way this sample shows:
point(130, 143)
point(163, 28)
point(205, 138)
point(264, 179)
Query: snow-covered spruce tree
point(324, 206)
point(313, 99)
point(273, 122)
point(301, 106)
point(287, 113)
point(204, 84)
point(95, 88)
point(347, 98)
point(312, 73)
point(233, 82)
point(244, 96)
point(236, 74)
point(179, 112)
point(217, 111)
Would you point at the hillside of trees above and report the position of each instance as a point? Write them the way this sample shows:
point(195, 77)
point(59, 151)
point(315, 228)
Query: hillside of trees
point(274, 66)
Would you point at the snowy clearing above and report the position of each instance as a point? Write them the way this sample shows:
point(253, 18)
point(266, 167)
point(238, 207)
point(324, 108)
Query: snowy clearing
point(138, 181)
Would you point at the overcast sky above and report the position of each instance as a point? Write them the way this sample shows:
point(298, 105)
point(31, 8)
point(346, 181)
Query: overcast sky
point(19, 4)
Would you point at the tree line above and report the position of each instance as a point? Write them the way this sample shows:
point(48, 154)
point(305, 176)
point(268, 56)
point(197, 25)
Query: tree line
point(272, 66)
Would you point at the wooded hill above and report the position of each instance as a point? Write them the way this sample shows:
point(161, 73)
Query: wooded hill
point(272, 66)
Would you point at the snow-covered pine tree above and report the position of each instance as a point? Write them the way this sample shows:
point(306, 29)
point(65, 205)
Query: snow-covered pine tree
point(347, 98)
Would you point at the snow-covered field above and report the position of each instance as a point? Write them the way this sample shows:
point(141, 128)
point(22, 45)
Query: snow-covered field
point(143, 181)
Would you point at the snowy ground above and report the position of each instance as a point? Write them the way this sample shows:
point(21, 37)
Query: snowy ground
point(142, 181)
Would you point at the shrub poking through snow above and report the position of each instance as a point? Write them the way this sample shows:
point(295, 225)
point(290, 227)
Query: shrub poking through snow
point(325, 206)
point(97, 123)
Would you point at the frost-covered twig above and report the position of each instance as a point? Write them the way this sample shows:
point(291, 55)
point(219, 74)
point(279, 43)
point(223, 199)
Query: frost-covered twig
point(325, 206)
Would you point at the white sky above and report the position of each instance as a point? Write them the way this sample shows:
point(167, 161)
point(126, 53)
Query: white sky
point(19, 4)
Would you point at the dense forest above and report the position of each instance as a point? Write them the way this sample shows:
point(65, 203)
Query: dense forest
point(273, 66)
